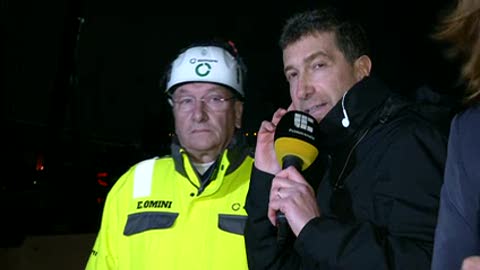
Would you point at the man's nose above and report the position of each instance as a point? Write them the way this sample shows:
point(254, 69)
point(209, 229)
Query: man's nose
point(199, 111)
point(304, 88)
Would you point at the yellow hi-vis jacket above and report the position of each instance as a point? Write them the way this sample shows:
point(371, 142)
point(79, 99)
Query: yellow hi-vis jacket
point(159, 216)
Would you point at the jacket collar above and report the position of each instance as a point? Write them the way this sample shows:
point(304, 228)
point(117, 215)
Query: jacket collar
point(238, 150)
point(361, 103)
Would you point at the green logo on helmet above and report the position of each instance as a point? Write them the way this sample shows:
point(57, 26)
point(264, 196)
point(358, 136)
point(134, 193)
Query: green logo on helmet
point(203, 69)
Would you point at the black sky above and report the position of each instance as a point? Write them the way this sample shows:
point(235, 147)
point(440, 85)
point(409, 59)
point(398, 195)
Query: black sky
point(123, 48)
point(86, 99)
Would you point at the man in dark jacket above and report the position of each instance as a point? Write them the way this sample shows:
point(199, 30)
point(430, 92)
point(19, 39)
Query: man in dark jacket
point(370, 200)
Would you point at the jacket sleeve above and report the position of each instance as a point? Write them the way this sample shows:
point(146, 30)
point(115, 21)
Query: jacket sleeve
point(395, 232)
point(457, 232)
point(104, 253)
point(260, 235)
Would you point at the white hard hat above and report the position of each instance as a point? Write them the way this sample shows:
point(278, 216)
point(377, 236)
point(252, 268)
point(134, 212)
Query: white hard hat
point(206, 64)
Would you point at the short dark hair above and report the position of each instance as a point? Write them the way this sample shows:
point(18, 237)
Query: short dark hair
point(350, 36)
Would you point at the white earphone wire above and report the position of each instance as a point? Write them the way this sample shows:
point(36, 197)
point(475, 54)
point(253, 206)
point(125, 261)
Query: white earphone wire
point(345, 120)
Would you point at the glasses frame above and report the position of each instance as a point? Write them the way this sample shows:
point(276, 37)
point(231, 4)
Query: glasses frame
point(207, 100)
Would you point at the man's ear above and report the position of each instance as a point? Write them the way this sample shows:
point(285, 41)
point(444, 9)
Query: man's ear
point(238, 114)
point(362, 67)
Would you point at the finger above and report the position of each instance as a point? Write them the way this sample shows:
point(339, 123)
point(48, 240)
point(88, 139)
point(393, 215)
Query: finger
point(292, 181)
point(291, 107)
point(292, 174)
point(272, 216)
point(266, 126)
point(281, 190)
point(279, 113)
point(273, 206)
point(275, 192)
point(278, 183)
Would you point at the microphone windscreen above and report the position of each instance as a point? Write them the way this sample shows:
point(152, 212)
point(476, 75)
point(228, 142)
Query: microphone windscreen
point(295, 135)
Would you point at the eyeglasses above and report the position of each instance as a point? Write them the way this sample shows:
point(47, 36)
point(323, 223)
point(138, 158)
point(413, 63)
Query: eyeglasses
point(214, 103)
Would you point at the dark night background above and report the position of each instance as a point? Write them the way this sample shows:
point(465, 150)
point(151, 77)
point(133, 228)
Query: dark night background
point(84, 98)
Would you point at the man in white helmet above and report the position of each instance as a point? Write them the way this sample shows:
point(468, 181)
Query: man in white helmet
point(186, 210)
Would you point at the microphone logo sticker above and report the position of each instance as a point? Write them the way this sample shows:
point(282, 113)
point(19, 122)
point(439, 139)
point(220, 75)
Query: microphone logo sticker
point(302, 122)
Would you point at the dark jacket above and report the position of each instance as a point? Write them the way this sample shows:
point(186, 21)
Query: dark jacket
point(378, 194)
point(457, 234)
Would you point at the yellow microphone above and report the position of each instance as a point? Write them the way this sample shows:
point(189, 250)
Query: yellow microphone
point(295, 145)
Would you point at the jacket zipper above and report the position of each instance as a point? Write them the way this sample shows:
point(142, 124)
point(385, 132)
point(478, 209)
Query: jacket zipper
point(340, 184)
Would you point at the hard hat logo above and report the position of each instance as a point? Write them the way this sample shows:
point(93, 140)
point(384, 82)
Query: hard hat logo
point(203, 69)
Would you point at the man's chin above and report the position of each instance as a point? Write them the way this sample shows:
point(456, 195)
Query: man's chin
point(318, 115)
point(201, 145)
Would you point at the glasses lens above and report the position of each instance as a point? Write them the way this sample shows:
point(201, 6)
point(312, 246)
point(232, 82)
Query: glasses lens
point(213, 103)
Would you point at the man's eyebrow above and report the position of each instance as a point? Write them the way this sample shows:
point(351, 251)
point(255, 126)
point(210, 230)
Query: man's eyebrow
point(309, 59)
point(213, 90)
point(317, 54)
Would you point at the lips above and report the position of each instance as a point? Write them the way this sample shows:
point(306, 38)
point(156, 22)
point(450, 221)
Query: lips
point(318, 111)
point(200, 130)
point(315, 108)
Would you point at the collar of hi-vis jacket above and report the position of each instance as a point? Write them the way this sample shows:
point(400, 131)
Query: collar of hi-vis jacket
point(236, 153)
point(362, 104)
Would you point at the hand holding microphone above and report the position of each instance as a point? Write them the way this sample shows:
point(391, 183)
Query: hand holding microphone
point(294, 142)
